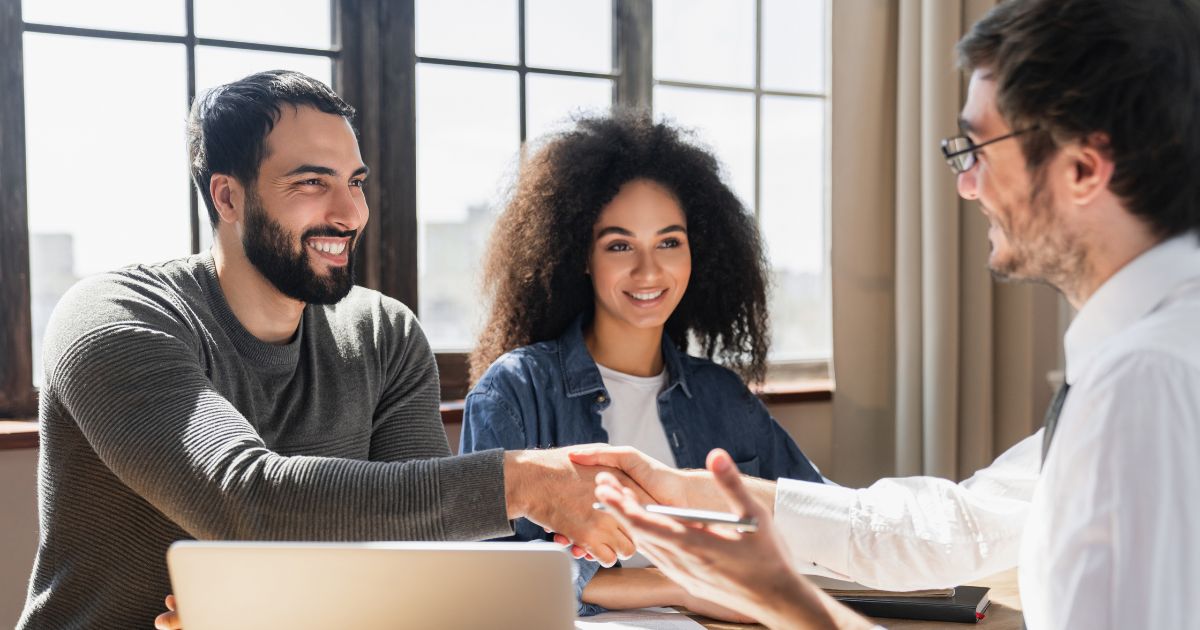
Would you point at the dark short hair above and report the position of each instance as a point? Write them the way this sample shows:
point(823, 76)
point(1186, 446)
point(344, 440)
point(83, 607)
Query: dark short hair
point(228, 125)
point(1127, 69)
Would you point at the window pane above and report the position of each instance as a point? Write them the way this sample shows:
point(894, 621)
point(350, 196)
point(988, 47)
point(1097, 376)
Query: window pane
point(141, 16)
point(217, 66)
point(107, 165)
point(467, 140)
point(574, 35)
point(704, 41)
point(794, 45)
point(306, 23)
point(553, 101)
point(793, 223)
point(724, 121)
point(478, 30)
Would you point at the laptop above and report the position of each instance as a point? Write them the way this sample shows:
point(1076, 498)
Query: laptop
point(310, 586)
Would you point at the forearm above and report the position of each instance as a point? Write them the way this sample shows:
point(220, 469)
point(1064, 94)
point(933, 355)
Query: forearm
point(263, 495)
point(632, 588)
point(932, 532)
point(702, 493)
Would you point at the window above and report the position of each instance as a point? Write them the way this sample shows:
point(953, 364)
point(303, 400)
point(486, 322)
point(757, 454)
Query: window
point(95, 176)
point(749, 77)
point(106, 92)
point(489, 76)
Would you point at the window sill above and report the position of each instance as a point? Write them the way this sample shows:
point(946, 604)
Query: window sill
point(811, 390)
point(18, 434)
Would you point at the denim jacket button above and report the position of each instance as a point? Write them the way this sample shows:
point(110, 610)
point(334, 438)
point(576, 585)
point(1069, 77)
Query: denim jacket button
point(601, 398)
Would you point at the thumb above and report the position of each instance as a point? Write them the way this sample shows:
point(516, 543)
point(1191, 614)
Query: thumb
point(729, 480)
point(622, 457)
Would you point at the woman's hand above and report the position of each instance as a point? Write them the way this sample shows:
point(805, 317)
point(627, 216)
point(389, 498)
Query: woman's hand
point(170, 619)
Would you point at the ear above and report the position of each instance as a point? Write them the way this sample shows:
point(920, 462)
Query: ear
point(228, 197)
point(1091, 169)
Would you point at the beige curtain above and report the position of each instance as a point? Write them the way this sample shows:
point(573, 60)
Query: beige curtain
point(938, 368)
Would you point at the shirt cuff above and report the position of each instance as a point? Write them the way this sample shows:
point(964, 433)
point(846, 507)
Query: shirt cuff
point(472, 504)
point(814, 521)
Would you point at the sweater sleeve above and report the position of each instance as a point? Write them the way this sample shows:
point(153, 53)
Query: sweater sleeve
point(144, 403)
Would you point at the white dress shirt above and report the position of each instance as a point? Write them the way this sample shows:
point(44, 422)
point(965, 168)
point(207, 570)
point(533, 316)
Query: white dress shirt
point(1108, 535)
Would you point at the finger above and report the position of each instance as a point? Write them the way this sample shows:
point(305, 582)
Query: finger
point(170, 601)
point(575, 550)
point(642, 495)
point(624, 507)
point(602, 455)
point(604, 555)
point(608, 479)
point(729, 481)
point(167, 621)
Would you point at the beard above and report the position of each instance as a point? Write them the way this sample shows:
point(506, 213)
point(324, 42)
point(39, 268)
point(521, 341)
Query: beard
point(1040, 247)
point(270, 249)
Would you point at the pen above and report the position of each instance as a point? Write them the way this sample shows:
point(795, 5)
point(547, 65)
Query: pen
point(707, 517)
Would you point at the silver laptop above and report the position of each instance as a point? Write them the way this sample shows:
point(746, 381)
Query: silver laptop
point(303, 586)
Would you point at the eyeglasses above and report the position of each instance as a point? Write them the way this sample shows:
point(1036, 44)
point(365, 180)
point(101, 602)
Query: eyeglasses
point(960, 150)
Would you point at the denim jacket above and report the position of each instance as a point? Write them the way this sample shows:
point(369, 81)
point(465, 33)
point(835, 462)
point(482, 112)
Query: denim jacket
point(550, 394)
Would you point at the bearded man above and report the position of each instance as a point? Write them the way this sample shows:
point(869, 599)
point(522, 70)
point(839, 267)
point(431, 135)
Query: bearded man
point(252, 391)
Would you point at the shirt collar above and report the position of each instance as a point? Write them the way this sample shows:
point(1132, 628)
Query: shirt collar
point(1130, 294)
point(579, 371)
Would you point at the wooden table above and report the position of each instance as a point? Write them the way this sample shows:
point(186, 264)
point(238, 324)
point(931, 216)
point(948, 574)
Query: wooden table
point(1003, 614)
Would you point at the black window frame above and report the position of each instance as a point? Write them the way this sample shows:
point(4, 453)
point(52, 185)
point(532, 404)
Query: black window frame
point(374, 69)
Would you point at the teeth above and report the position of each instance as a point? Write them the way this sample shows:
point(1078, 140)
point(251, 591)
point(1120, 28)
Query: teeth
point(648, 296)
point(327, 247)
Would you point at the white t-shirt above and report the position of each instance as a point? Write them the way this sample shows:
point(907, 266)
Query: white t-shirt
point(631, 419)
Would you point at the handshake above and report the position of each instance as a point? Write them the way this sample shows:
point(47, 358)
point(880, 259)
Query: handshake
point(557, 489)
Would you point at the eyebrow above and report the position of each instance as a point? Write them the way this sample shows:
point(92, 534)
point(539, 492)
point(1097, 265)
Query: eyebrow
point(324, 170)
point(965, 126)
point(623, 232)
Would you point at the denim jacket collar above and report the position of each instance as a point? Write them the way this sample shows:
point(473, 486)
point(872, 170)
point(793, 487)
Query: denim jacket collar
point(579, 371)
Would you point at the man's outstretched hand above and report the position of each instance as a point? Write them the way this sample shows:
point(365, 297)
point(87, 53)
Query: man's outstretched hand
point(546, 487)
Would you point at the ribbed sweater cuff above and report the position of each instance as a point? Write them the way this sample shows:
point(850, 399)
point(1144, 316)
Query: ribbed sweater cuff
point(472, 496)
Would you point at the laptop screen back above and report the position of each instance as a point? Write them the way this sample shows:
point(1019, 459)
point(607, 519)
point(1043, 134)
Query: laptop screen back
point(301, 586)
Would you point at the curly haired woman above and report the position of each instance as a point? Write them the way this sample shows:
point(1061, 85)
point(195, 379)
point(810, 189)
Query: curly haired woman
point(619, 247)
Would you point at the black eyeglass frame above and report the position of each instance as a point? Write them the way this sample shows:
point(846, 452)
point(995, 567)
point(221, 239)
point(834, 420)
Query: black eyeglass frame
point(952, 157)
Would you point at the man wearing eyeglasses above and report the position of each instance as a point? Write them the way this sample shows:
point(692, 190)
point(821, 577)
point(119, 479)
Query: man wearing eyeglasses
point(1081, 142)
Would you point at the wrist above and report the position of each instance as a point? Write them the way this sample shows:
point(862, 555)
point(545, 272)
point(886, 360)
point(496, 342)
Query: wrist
point(516, 480)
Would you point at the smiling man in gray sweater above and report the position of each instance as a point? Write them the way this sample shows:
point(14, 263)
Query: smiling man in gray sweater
point(253, 392)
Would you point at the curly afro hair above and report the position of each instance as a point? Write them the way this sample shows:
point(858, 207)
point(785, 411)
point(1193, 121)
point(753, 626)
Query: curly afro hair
point(535, 266)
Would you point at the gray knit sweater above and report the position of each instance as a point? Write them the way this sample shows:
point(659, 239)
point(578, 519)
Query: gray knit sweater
point(163, 419)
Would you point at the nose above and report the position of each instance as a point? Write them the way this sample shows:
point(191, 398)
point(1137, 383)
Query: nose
point(967, 184)
point(347, 209)
point(648, 267)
